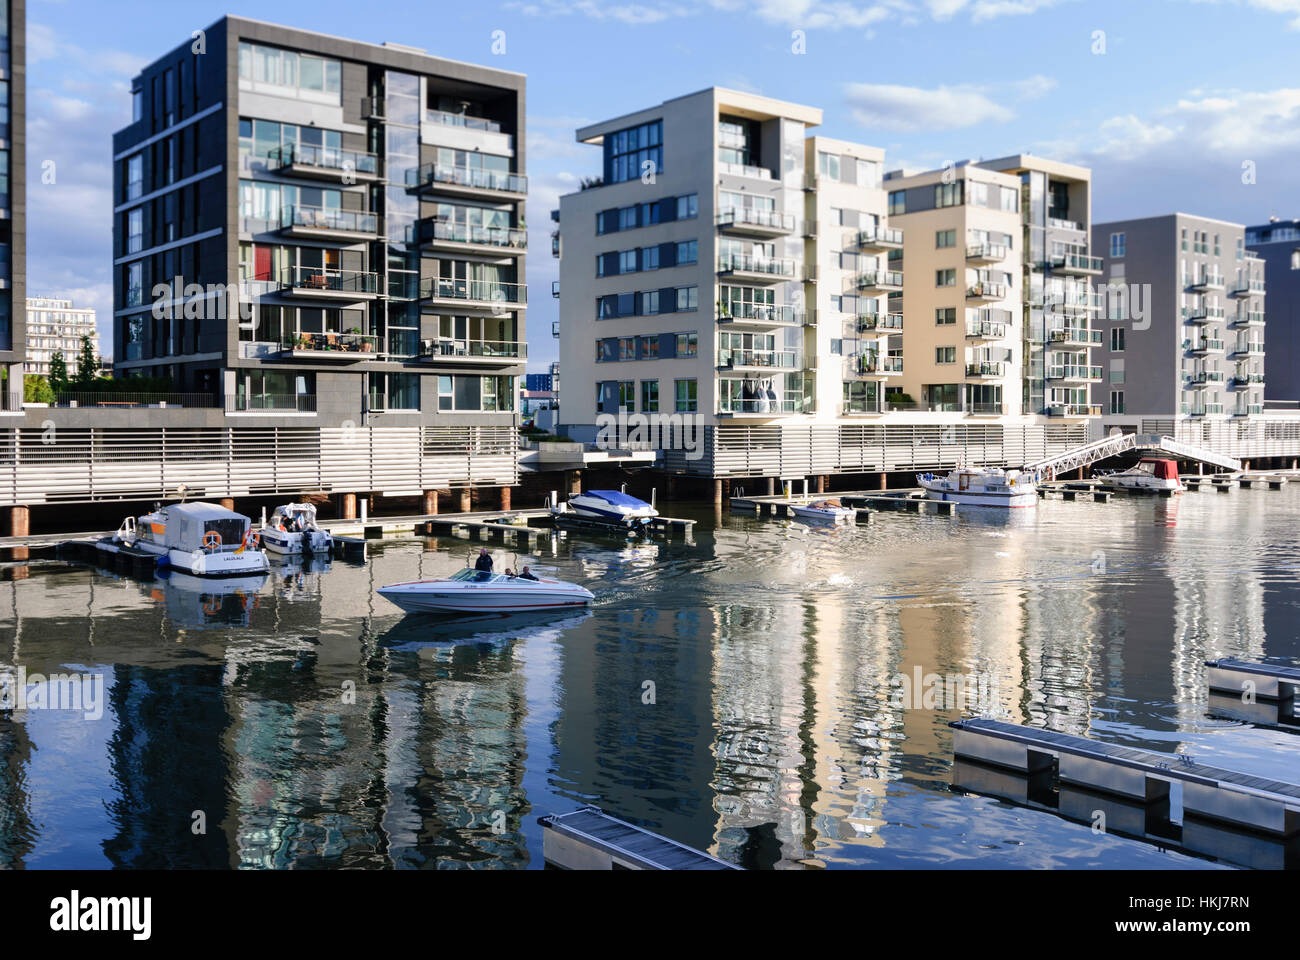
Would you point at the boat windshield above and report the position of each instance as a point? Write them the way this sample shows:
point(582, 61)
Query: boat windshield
point(469, 575)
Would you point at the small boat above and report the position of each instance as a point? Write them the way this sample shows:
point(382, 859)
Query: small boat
point(608, 506)
point(475, 591)
point(828, 511)
point(292, 530)
point(1152, 474)
point(982, 487)
point(199, 538)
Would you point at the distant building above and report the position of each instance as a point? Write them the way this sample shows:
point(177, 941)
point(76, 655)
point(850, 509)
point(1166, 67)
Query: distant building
point(1277, 243)
point(54, 326)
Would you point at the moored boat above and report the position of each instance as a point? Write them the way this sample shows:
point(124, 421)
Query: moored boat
point(476, 591)
point(826, 511)
point(982, 487)
point(1150, 474)
point(199, 538)
point(292, 530)
point(608, 506)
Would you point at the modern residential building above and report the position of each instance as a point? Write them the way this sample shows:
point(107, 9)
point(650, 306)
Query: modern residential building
point(1184, 329)
point(13, 199)
point(1058, 301)
point(1277, 244)
point(962, 289)
point(730, 266)
point(56, 326)
point(368, 202)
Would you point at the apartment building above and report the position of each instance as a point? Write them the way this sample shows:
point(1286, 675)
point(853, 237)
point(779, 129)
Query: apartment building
point(1277, 244)
point(1058, 301)
point(57, 326)
point(962, 290)
point(13, 199)
point(1184, 326)
point(368, 202)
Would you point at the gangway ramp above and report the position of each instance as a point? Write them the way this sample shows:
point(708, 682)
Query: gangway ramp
point(1117, 444)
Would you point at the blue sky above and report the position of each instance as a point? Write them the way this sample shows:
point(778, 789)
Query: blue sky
point(1185, 92)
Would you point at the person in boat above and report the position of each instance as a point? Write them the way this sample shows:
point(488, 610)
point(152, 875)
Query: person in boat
point(526, 574)
point(483, 564)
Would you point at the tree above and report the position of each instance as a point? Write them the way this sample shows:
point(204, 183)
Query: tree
point(87, 365)
point(58, 372)
point(36, 389)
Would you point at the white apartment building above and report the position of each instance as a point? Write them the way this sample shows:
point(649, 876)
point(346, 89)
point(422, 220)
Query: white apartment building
point(53, 326)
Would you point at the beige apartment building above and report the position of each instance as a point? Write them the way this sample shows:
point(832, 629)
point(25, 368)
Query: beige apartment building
point(56, 326)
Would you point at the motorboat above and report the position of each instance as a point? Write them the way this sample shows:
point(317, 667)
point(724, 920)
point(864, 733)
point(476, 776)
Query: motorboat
point(982, 487)
point(292, 530)
point(1153, 474)
point(199, 538)
point(608, 506)
point(826, 511)
point(478, 591)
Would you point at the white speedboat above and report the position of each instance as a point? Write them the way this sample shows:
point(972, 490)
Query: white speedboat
point(292, 530)
point(199, 538)
point(826, 511)
point(982, 487)
point(474, 591)
point(1153, 474)
point(608, 506)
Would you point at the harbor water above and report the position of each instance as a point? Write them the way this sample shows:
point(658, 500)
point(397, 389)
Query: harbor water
point(764, 691)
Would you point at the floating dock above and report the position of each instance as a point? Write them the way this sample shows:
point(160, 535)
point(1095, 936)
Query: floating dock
point(590, 839)
point(1263, 693)
point(865, 502)
point(1209, 793)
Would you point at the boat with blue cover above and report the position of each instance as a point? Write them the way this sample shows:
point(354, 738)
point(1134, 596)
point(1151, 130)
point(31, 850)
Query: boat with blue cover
point(608, 506)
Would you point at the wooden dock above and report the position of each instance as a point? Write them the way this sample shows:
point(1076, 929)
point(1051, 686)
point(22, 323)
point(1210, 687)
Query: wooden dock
point(1209, 793)
point(590, 839)
point(864, 502)
point(1070, 490)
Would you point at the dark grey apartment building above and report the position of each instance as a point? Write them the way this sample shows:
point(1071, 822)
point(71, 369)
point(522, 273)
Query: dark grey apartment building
point(364, 203)
point(1277, 243)
point(1183, 333)
point(13, 199)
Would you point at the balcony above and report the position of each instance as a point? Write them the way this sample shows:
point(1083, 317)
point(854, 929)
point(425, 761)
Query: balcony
point(1206, 410)
point(1073, 302)
point(328, 223)
point(878, 322)
point(555, 289)
point(1074, 373)
point(984, 410)
point(985, 369)
point(735, 406)
point(1204, 347)
point(1247, 349)
point(1252, 318)
point(1251, 288)
point(986, 253)
point(472, 238)
point(986, 330)
point(316, 283)
point(271, 403)
point(1074, 410)
point(764, 315)
point(555, 329)
point(879, 240)
point(1250, 410)
point(333, 347)
point(1205, 378)
point(757, 269)
point(755, 223)
point(488, 353)
point(1074, 337)
point(1204, 314)
point(873, 364)
point(774, 360)
point(744, 170)
point(325, 163)
point(1076, 264)
point(985, 292)
point(466, 182)
point(1241, 381)
point(473, 294)
point(1207, 284)
point(879, 281)
point(1056, 223)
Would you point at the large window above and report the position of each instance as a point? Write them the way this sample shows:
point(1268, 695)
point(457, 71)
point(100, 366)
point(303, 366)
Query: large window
point(897, 202)
point(631, 152)
point(948, 194)
point(649, 396)
point(295, 74)
point(489, 394)
point(1118, 244)
point(134, 176)
point(135, 230)
point(687, 398)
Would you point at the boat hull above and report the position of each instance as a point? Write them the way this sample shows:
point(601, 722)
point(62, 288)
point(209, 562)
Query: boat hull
point(841, 515)
point(204, 564)
point(441, 597)
point(1145, 485)
point(1004, 501)
point(296, 544)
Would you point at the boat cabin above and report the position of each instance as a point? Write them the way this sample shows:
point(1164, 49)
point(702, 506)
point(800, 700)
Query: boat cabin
point(1159, 468)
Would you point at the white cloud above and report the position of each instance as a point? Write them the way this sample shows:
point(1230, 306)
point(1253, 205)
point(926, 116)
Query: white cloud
point(915, 109)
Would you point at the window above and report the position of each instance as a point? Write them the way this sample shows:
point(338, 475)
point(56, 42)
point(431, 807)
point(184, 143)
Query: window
point(630, 153)
point(869, 174)
point(134, 276)
point(649, 396)
point(945, 278)
point(688, 251)
point(297, 74)
point(945, 238)
point(688, 298)
point(1182, 242)
point(687, 344)
point(137, 105)
point(1117, 339)
point(686, 396)
point(897, 202)
point(134, 176)
point(948, 194)
point(135, 230)
point(1217, 250)
point(1117, 370)
point(945, 354)
point(1117, 401)
point(1118, 244)
point(828, 165)
point(945, 316)
point(1241, 248)
point(688, 207)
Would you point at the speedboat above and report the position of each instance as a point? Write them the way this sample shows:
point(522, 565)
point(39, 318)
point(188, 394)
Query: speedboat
point(982, 487)
point(608, 506)
point(292, 530)
point(199, 538)
point(828, 511)
point(477, 591)
point(1148, 474)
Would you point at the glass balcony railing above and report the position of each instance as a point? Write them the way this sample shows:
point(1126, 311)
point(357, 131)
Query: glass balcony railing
point(432, 174)
point(1071, 371)
point(986, 251)
point(741, 263)
point(329, 219)
point(340, 343)
point(986, 369)
point(780, 359)
point(879, 280)
point(487, 291)
point(450, 348)
point(985, 330)
point(1076, 262)
point(447, 231)
point(325, 158)
point(761, 312)
point(270, 402)
point(985, 290)
point(1205, 376)
point(880, 238)
point(868, 322)
point(461, 120)
point(1081, 336)
point(318, 279)
point(745, 170)
point(749, 217)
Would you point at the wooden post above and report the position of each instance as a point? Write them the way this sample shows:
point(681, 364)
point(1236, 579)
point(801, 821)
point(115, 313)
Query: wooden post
point(466, 500)
point(505, 498)
point(717, 491)
point(884, 481)
point(771, 486)
point(430, 504)
point(228, 503)
point(20, 522)
point(573, 481)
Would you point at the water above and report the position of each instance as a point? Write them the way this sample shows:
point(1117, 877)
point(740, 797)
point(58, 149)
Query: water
point(304, 722)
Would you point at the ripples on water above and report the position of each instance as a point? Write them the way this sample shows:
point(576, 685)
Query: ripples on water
point(313, 725)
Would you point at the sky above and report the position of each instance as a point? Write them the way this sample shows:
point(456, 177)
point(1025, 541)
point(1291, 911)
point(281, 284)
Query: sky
point(1174, 104)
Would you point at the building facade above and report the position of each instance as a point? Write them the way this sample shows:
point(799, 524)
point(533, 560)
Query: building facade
point(13, 199)
point(1184, 329)
point(1277, 244)
point(56, 326)
point(365, 203)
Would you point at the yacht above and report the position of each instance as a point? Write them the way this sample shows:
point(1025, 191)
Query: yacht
point(292, 530)
point(1148, 474)
point(608, 506)
point(982, 487)
point(199, 538)
point(477, 591)
point(827, 511)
